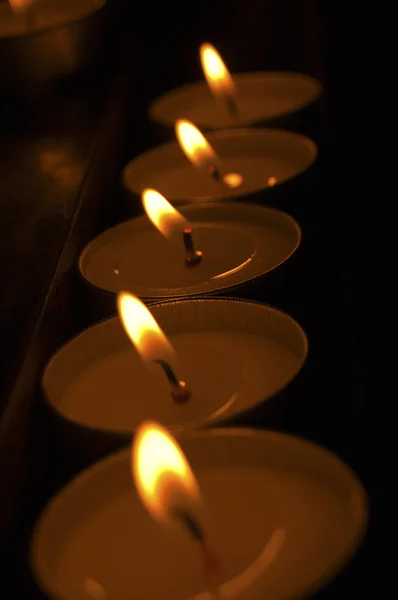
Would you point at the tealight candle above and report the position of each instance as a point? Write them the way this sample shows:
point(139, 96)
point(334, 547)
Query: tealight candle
point(226, 101)
point(236, 358)
point(282, 516)
point(42, 41)
point(22, 17)
point(255, 161)
point(238, 244)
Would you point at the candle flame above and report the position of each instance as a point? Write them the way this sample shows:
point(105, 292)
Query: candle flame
point(162, 475)
point(143, 330)
point(217, 75)
point(162, 214)
point(194, 145)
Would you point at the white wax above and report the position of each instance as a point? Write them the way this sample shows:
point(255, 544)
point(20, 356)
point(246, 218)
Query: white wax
point(232, 354)
point(260, 97)
point(239, 242)
point(258, 155)
point(227, 372)
point(98, 529)
point(46, 14)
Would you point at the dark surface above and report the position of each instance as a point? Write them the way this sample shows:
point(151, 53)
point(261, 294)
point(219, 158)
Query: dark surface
point(43, 164)
point(318, 38)
point(46, 146)
point(59, 160)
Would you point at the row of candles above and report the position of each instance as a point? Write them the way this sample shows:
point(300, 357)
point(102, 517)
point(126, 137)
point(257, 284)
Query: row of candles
point(243, 514)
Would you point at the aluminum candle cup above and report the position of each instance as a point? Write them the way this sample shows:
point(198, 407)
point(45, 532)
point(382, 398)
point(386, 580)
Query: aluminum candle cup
point(237, 358)
point(268, 99)
point(245, 247)
point(55, 39)
point(274, 165)
point(283, 516)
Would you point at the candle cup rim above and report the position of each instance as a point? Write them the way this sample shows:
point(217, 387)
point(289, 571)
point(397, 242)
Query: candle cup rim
point(221, 134)
point(241, 77)
point(95, 9)
point(211, 420)
point(183, 292)
point(352, 482)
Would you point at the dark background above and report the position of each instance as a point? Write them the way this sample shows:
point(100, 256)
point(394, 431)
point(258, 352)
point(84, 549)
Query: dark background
point(86, 131)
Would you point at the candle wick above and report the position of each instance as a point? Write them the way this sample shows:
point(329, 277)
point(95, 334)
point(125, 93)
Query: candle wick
point(193, 257)
point(190, 524)
point(179, 392)
point(210, 562)
point(215, 172)
point(232, 105)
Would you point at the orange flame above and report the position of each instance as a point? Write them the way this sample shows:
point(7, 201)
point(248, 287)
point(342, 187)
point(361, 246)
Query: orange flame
point(143, 330)
point(194, 145)
point(162, 214)
point(162, 475)
point(217, 75)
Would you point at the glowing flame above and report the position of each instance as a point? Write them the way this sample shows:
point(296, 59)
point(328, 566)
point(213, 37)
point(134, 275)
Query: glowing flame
point(194, 145)
point(217, 75)
point(198, 150)
point(165, 218)
point(162, 475)
point(142, 329)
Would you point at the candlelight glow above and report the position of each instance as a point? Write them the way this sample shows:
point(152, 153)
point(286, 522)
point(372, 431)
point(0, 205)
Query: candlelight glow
point(272, 181)
point(19, 6)
point(198, 150)
point(233, 180)
point(194, 144)
point(217, 75)
point(162, 475)
point(162, 214)
point(142, 328)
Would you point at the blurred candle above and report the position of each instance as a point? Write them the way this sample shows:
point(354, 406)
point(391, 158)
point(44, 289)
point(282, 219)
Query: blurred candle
point(20, 17)
point(252, 496)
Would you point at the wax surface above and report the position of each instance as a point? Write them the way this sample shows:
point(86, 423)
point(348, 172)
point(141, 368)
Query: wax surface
point(148, 264)
point(262, 157)
point(238, 244)
point(186, 181)
point(150, 260)
point(119, 546)
point(46, 14)
point(227, 373)
point(260, 97)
